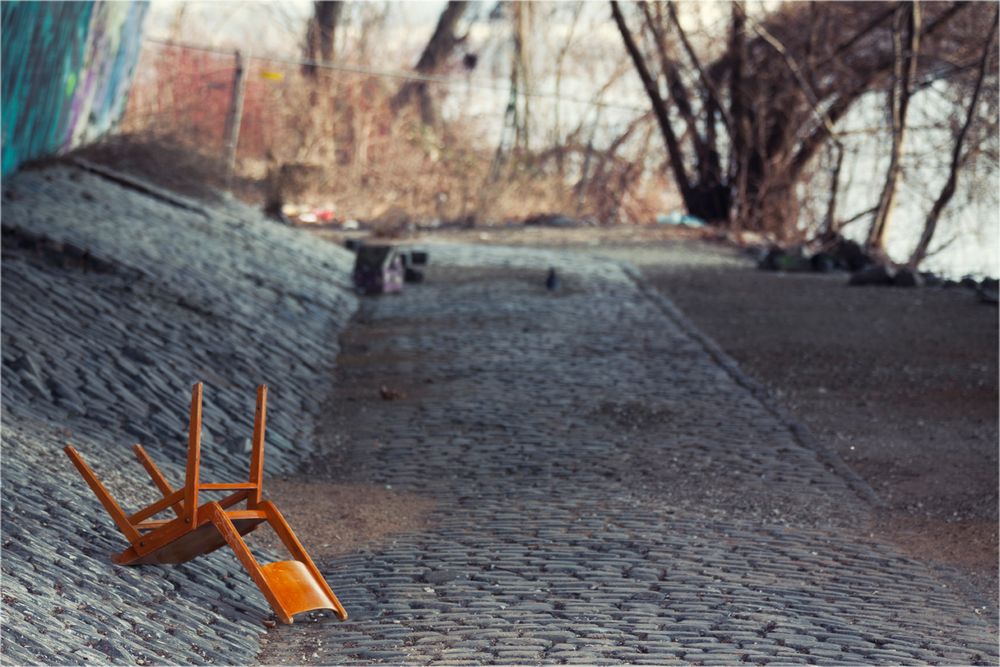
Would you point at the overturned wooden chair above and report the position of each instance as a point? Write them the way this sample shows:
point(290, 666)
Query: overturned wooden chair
point(291, 586)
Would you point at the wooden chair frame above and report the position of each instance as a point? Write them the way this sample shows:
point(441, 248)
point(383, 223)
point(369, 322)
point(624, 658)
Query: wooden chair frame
point(290, 587)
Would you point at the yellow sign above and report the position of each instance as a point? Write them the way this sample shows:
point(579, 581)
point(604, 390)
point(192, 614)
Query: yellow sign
point(272, 76)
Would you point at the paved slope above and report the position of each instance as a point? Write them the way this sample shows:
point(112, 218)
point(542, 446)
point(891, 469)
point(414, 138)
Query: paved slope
point(114, 304)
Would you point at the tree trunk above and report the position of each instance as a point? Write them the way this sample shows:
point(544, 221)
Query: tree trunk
point(779, 115)
point(768, 205)
point(557, 137)
point(831, 228)
point(707, 197)
point(948, 191)
point(904, 70)
point(740, 130)
point(441, 45)
point(320, 33)
point(659, 108)
point(520, 75)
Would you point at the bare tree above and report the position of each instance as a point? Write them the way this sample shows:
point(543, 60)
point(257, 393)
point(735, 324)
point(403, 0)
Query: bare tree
point(517, 114)
point(320, 33)
point(652, 87)
point(957, 157)
point(904, 72)
point(789, 84)
point(560, 61)
point(520, 74)
point(440, 47)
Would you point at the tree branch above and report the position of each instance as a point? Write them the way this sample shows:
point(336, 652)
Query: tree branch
point(840, 106)
point(930, 225)
point(659, 108)
point(710, 88)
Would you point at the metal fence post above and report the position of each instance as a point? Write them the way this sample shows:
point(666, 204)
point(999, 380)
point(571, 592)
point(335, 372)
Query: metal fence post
point(235, 116)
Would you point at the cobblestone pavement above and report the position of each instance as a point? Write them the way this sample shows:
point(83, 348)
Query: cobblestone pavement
point(607, 492)
point(114, 304)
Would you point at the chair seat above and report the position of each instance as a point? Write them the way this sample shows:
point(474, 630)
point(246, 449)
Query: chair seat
point(204, 539)
point(295, 587)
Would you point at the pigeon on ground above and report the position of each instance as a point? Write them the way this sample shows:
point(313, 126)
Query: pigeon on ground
point(388, 394)
point(552, 281)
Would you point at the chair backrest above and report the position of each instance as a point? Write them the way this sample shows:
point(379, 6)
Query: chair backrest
point(257, 451)
point(185, 501)
point(192, 478)
point(192, 471)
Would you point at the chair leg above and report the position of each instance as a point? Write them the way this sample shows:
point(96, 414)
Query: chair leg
point(112, 507)
point(158, 479)
point(298, 552)
point(236, 543)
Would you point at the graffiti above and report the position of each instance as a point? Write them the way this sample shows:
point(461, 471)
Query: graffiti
point(66, 68)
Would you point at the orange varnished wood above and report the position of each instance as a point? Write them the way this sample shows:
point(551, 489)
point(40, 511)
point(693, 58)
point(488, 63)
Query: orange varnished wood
point(295, 587)
point(205, 539)
point(163, 535)
point(290, 587)
point(102, 494)
point(169, 531)
point(284, 531)
point(233, 499)
point(231, 535)
point(246, 514)
point(257, 451)
point(157, 507)
point(154, 473)
point(193, 459)
point(152, 523)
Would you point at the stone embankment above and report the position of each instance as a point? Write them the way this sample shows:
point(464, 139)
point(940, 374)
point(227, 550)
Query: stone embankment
point(115, 302)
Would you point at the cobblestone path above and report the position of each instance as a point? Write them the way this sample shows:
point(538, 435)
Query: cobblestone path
point(606, 492)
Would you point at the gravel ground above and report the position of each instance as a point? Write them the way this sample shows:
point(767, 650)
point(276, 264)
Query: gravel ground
point(901, 383)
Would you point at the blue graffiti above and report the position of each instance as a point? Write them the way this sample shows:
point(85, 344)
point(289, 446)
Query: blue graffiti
point(66, 71)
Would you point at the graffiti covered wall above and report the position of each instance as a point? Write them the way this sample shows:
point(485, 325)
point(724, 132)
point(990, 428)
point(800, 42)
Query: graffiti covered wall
point(66, 68)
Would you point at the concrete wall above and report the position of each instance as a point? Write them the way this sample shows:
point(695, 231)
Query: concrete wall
point(67, 67)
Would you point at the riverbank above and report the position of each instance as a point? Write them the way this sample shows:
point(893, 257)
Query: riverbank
point(901, 383)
